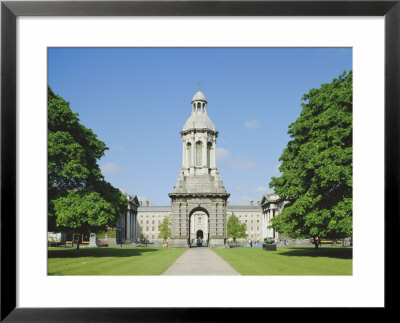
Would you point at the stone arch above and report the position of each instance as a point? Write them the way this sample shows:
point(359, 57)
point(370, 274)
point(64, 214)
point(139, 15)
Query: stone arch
point(195, 226)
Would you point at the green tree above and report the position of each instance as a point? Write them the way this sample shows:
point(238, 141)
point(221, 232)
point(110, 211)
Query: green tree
point(79, 199)
point(165, 229)
point(235, 229)
point(316, 166)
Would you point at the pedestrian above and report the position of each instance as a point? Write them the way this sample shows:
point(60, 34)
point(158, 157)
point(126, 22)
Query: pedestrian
point(251, 244)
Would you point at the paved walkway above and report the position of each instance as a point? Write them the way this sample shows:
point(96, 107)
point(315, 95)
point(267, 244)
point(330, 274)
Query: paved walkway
point(200, 261)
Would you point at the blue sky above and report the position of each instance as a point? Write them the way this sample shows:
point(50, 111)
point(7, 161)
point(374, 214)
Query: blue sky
point(137, 100)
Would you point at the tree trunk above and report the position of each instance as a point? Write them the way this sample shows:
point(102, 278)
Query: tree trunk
point(77, 246)
point(316, 242)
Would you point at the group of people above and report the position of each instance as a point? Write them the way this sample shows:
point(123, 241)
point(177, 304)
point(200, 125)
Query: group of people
point(199, 242)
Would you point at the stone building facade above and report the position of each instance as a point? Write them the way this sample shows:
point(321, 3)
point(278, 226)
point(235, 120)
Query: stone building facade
point(257, 218)
point(199, 201)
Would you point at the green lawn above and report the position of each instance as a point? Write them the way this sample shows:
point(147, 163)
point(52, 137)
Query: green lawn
point(111, 261)
point(289, 260)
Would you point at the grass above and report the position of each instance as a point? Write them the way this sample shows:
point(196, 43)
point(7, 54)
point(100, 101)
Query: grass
point(110, 261)
point(289, 260)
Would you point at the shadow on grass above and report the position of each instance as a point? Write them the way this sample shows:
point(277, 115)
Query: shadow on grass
point(97, 252)
point(339, 253)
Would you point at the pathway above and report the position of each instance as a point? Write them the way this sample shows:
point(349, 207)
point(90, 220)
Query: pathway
point(200, 261)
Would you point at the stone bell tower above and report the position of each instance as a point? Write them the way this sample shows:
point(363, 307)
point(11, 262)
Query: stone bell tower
point(199, 187)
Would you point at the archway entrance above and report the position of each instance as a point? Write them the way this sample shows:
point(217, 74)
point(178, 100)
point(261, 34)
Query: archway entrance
point(199, 227)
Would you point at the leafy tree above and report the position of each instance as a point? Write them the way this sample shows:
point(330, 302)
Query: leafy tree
point(79, 198)
point(316, 166)
point(165, 229)
point(235, 229)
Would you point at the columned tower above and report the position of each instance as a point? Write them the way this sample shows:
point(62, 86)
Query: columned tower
point(199, 187)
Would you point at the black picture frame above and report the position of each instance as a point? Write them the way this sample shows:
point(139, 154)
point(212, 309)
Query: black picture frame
point(10, 10)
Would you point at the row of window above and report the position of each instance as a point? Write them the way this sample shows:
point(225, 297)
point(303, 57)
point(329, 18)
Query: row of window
point(152, 222)
point(251, 222)
point(257, 216)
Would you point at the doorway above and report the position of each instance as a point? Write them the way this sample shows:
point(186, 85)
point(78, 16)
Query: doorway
point(199, 234)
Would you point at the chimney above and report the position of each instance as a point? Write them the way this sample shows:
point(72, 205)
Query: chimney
point(251, 203)
point(258, 203)
point(141, 203)
point(147, 203)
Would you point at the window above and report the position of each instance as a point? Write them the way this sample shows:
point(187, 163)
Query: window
point(199, 147)
point(199, 219)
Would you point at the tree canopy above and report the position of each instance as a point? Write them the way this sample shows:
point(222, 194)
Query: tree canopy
point(316, 166)
point(79, 198)
point(235, 229)
point(165, 229)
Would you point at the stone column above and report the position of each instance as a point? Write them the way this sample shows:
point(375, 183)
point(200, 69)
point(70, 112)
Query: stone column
point(193, 155)
point(204, 154)
point(212, 156)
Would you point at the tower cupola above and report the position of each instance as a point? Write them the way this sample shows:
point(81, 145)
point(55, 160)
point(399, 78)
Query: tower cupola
point(199, 102)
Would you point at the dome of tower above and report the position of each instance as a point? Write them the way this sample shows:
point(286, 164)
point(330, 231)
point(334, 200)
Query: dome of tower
point(199, 96)
point(198, 121)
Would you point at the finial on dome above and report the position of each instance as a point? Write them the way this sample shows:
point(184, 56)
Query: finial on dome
point(198, 86)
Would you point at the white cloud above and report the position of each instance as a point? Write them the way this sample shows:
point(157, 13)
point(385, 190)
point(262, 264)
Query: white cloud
point(222, 155)
point(243, 163)
point(120, 148)
point(261, 189)
point(240, 188)
point(252, 124)
point(109, 168)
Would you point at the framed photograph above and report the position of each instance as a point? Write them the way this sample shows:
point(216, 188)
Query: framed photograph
point(35, 39)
